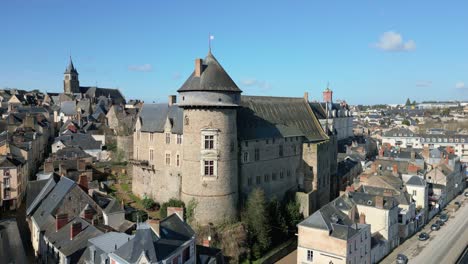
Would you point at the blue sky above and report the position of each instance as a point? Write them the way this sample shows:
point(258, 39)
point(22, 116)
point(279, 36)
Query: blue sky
point(369, 51)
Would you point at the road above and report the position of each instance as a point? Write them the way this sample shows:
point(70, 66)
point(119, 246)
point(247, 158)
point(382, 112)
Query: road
point(443, 246)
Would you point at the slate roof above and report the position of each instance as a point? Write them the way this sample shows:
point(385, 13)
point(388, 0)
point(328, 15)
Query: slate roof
point(96, 92)
point(33, 189)
point(318, 110)
point(71, 68)
point(369, 200)
point(11, 246)
point(33, 199)
point(416, 181)
point(83, 141)
point(153, 118)
point(102, 245)
point(6, 162)
point(334, 221)
point(213, 78)
point(68, 108)
point(270, 117)
point(70, 152)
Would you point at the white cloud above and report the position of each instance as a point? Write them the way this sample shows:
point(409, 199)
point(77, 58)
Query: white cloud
point(393, 41)
point(256, 83)
point(460, 85)
point(141, 68)
point(424, 83)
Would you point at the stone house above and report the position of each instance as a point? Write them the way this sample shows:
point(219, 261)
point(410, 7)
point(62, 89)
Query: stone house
point(13, 180)
point(331, 236)
point(215, 146)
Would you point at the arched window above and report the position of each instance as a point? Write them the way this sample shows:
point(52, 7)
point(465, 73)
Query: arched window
point(186, 120)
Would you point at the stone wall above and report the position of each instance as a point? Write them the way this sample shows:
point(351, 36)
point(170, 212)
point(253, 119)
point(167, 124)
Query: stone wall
point(125, 144)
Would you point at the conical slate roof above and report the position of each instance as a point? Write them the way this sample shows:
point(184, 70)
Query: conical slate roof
point(213, 78)
point(71, 68)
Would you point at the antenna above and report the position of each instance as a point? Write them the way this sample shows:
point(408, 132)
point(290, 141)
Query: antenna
point(210, 38)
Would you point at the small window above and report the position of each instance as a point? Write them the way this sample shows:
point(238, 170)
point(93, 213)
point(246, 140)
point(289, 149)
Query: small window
point(168, 159)
point(151, 154)
point(186, 119)
point(281, 174)
point(151, 137)
point(179, 139)
point(245, 156)
point(249, 181)
point(414, 192)
point(209, 142)
point(288, 173)
point(209, 167)
point(280, 150)
point(259, 180)
point(294, 149)
point(257, 154)
point(310, 255)
point(266, 178)
point(273, 141)
point(178, 160)
point(168, 138)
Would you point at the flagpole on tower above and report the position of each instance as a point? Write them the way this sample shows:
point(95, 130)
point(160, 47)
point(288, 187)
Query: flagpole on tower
point(210, 38)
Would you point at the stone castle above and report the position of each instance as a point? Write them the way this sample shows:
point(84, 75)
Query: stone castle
point(215, 146)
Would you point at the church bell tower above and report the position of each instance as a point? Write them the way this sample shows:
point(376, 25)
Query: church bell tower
point(71, 84)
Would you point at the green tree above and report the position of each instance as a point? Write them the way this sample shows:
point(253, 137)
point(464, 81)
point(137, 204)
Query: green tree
point(277, 221)
point(408, 102)
point(148, 203)
point(255, 218)
point(414, 103)
point(171, 203)
point(406, 122)
point(293, 214)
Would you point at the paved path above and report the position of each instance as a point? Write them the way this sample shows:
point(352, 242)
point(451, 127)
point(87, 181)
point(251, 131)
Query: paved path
point(444, 245)
point(289, 259)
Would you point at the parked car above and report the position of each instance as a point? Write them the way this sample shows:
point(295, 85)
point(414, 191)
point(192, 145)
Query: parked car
point(435, 227)
point(440, 222)
point(443, 217)
point(466, 194)
point(423, 236)
point(401, 259)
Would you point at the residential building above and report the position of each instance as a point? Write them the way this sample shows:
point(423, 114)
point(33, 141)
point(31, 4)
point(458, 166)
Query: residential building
point(13, 180)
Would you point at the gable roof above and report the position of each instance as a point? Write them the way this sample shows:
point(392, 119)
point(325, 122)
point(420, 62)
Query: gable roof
point(213, 78)
point(153, 118)
point(269, 117)
point(416, 181)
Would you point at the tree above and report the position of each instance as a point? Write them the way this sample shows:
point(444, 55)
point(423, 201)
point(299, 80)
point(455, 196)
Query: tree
point(406, 122)
point(408, 102)
point(278, 223)
point(293, 214)
point(414, 103)
point(255, 218)
point(148, 203)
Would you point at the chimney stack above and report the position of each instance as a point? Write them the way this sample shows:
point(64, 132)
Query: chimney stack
point(306, 96)
point(176, 210)
point(88, 214)
point(395, 169)
point(379, 202)
point(198, 67)
point(154, 224)
point(362, 218)
point(75, 229)
point(60, 221)
point(413, 155)
point(327, 96)
point(83, 182)
point(172, 100)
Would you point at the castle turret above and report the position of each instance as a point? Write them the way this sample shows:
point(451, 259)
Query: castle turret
point(210, 163)
point(71, 83)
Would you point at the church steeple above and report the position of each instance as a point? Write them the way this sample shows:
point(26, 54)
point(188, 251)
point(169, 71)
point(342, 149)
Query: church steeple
point(71, 83)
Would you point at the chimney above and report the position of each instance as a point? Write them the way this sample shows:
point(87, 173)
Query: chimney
point(154, 224)
point(362, 218)
point(176, 210)
point(206, 243)
point(388, 193)
point(62, 170)
point(412, 168)
point(425, 152)
point(60, 221)
point(75, 229)
point(88, 214)
point(413, 155)
point(83, 182)
point(306, 96)
point(374, 167)
point(327, 96)
point(395, 169)
point(81, 165)
point(379, 202)
point(48, 166)
point(198, 67)
point(172, 100)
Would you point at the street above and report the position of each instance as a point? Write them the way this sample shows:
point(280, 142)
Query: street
point(443, 246)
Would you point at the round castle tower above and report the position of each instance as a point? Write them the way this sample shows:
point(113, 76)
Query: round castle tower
point(210, 157)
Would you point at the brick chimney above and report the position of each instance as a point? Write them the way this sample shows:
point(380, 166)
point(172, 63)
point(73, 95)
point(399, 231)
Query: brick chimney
point(88, 214)
point(206, 243)
point(198, 67)
point(379, 202)
point(395, 169)
point(60, 221)
point(83, 182)
point(154, 224)
point(362, 218)
point(75, 229)
point(328, 96)
point(306, 96)
point(413, 168)
point(176, 210)
point(172, 99)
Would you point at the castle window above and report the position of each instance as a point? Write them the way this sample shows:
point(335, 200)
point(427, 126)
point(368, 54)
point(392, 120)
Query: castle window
point(280, 150)
point(178, 160)
point(266, 178)
point(310, 255)
point(273, 141)
point(186, 117)
point(257, 154)
point(209, 167)
point(294, 149)
point(259, 180)
point(249, 181)
point(245, 156)
point(168, 138)
point(281, 174)
point(151, 137)
point(179, 139)
point(151, 154)
point(288, 173)
point(209, 142)
point(137, 153)
point(168, 159)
